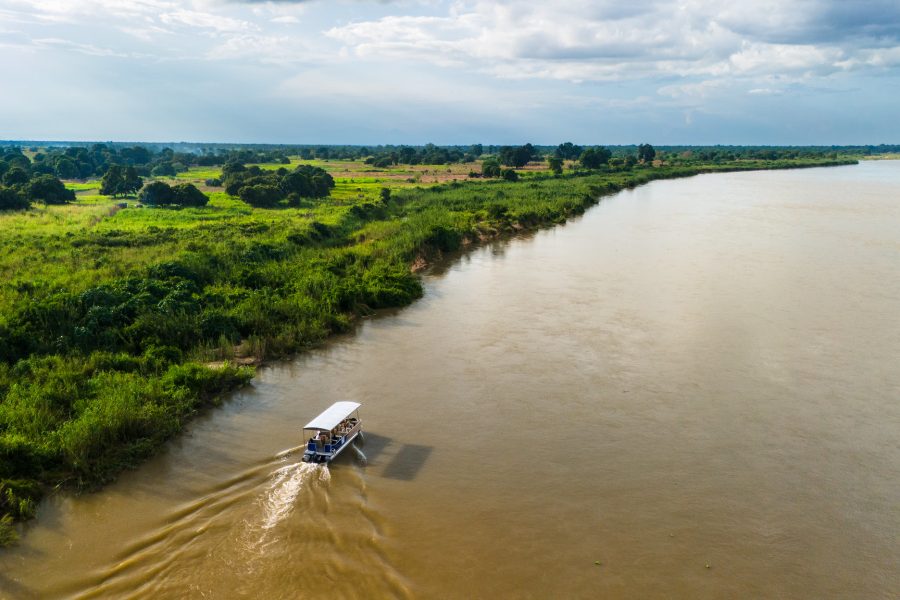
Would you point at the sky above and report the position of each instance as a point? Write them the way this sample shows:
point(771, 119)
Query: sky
point(452, 72)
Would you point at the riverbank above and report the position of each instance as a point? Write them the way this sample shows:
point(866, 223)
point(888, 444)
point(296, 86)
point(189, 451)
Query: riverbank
point(106, 350)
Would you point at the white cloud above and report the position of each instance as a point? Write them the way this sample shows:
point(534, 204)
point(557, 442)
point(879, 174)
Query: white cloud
point(146, 33)
point(268, 49)
point(285, 19)
point(509, 66)
point(89, 49)
point(578, 40)
point(205, 20)
point(73, 11)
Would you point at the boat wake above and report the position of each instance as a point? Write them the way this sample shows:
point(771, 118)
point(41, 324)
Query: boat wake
point(288, 481)
point(246, 529)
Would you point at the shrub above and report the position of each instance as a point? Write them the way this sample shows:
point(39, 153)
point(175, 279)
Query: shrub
point(157, 193)
point(11, 199)
point(163, 170)
point(261, 196)
point(490, 168)
point(187, 194)
point(49, 190)
point(509, 175)
point(160, 193)
point(15, 176)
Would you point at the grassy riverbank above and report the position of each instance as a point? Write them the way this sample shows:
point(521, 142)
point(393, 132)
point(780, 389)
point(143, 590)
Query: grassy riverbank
point(109, 319)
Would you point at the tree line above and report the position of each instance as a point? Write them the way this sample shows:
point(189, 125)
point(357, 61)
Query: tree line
point(21, 185)
point(81, 162)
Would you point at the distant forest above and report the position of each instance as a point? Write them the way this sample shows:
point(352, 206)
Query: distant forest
point(83, 160)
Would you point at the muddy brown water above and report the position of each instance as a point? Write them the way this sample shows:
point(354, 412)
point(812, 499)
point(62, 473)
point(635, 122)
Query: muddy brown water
point(692, 391)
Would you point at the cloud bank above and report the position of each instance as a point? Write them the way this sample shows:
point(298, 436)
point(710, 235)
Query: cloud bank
point(692, 71)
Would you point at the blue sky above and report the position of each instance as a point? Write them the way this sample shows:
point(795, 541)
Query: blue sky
point(367, 72)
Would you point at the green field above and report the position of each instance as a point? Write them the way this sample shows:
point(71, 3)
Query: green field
point(121, 323)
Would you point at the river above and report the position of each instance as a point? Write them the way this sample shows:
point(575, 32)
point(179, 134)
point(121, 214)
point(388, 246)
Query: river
point(691, 391)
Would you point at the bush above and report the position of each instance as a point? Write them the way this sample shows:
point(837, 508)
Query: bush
point(266, 189)
point(163, 170)
point(49, 189)
point(11, 199)
point(187, 194)
point(261, 196)
point(16, 176)
point(490, 168)
point(160, 193)
point(157, 193)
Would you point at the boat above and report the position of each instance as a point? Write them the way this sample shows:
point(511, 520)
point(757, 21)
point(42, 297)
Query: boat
point(332, 432)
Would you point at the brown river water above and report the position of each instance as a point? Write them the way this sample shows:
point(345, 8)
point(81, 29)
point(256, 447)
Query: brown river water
point(692, 391)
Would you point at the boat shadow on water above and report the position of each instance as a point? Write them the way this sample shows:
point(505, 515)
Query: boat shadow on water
point(401, 461)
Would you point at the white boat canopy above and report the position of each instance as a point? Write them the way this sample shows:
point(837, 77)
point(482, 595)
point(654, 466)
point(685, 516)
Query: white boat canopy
point(332, 416)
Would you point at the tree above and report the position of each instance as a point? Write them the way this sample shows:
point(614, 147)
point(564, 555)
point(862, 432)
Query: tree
point(187, 194)
point(490, 168)
point(16, 176)
point(11, 199)
point(261, 196)
point(569, 151)
point(407, 155)
point(556, 164)
point(305, 181)
point(232, 166)
point(594, 158)
point(646, 153)
point(49, 190)
point(113, 181)
point(132, 182)
point(163, 169)
point(160, 193)
point(296, 183)
point(516, 156)
point(509, 175)
point(157, 193)
point(66, 168)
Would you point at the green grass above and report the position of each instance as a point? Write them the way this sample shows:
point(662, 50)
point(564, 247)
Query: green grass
point(200, 173)
point(81, 186)
point(110, 317)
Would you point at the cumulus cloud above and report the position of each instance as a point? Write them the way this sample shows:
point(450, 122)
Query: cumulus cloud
point(602, 40)
point(547, 63)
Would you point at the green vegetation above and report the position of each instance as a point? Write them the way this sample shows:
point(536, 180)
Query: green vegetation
point(117, 325)
point(20, 184)
point(266, 188)
point(160, 193)
point(120, 181)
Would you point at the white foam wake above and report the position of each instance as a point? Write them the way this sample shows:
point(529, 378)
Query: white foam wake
point(278, 501)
